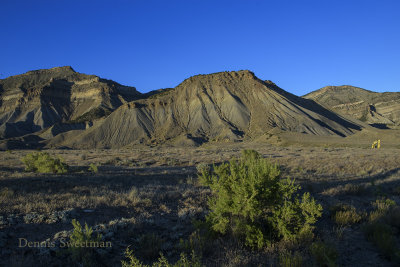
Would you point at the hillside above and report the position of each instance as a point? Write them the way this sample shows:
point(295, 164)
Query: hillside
point(39, 99)
point(367, 106)
point(226, 106)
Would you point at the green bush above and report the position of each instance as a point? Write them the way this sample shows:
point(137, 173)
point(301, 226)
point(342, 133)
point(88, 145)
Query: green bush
point(93, 168)
point(83, 254)
point(252, 202)
point(184, 261)
point(42, 162)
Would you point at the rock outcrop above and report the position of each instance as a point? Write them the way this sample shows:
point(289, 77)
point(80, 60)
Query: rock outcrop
point(370, 107)
point(39, 99)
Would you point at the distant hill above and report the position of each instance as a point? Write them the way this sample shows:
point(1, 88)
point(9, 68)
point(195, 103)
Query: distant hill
point(371, 107)
point(225, 106)
point(59, 107)
point(39, 99)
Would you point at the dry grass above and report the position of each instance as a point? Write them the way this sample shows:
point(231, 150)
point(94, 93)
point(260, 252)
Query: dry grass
point(345, 215)
point(154, 185)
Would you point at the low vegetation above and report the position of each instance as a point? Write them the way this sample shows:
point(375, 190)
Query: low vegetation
point(93, 168)
point(183, 261)
point(80, 247)
point(42, 162)
point(343, 214)
point(324, 254)
point(288, 259)
point(382, 226)
point(6, 193)
point(164, 209)
point(251, 202)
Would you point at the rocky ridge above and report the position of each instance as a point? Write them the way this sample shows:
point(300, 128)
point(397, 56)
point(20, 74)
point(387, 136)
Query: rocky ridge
point(361, 104)
point(59, 107)
point(39, 99)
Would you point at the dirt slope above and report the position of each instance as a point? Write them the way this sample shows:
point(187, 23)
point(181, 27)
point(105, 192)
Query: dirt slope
point(215, 107)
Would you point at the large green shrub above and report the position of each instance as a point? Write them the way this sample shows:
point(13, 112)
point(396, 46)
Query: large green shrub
point(252, 202)
point(42, 162)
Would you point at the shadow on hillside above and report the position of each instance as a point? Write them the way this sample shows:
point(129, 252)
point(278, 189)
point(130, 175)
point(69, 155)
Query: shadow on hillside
point(317, 108)
point(379, 126)
point(11, 169)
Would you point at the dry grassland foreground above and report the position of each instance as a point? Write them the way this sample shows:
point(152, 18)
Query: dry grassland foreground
point(150, 200)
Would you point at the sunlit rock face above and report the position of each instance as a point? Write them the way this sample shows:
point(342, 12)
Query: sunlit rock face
point(367, 106)
point(38, 99)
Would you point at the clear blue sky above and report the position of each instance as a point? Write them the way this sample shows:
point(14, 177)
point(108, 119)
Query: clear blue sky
point(300, 45)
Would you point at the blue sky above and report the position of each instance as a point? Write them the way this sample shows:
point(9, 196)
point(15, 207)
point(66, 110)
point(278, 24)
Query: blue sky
point(300, 45)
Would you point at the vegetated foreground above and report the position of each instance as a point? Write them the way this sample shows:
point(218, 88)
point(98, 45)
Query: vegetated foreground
point(151, 200)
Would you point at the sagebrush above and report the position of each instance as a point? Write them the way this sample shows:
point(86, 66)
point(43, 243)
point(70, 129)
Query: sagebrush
point(42, 162)
point(252, 202)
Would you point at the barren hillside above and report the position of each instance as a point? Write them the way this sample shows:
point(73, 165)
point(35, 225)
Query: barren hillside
point(367, 106)
point(38, 99)
point(216, 107)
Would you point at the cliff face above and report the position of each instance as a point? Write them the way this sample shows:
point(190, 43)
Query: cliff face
point(368, 106)
point(38, 99)
point(220, 106)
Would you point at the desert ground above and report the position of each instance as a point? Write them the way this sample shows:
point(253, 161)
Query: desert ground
point(147, 198)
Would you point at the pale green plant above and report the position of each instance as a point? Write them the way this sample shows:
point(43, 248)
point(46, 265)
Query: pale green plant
point(93, 168)
point(42, 162)
point(252, 202)
point(80, 253)
point(183, 261)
